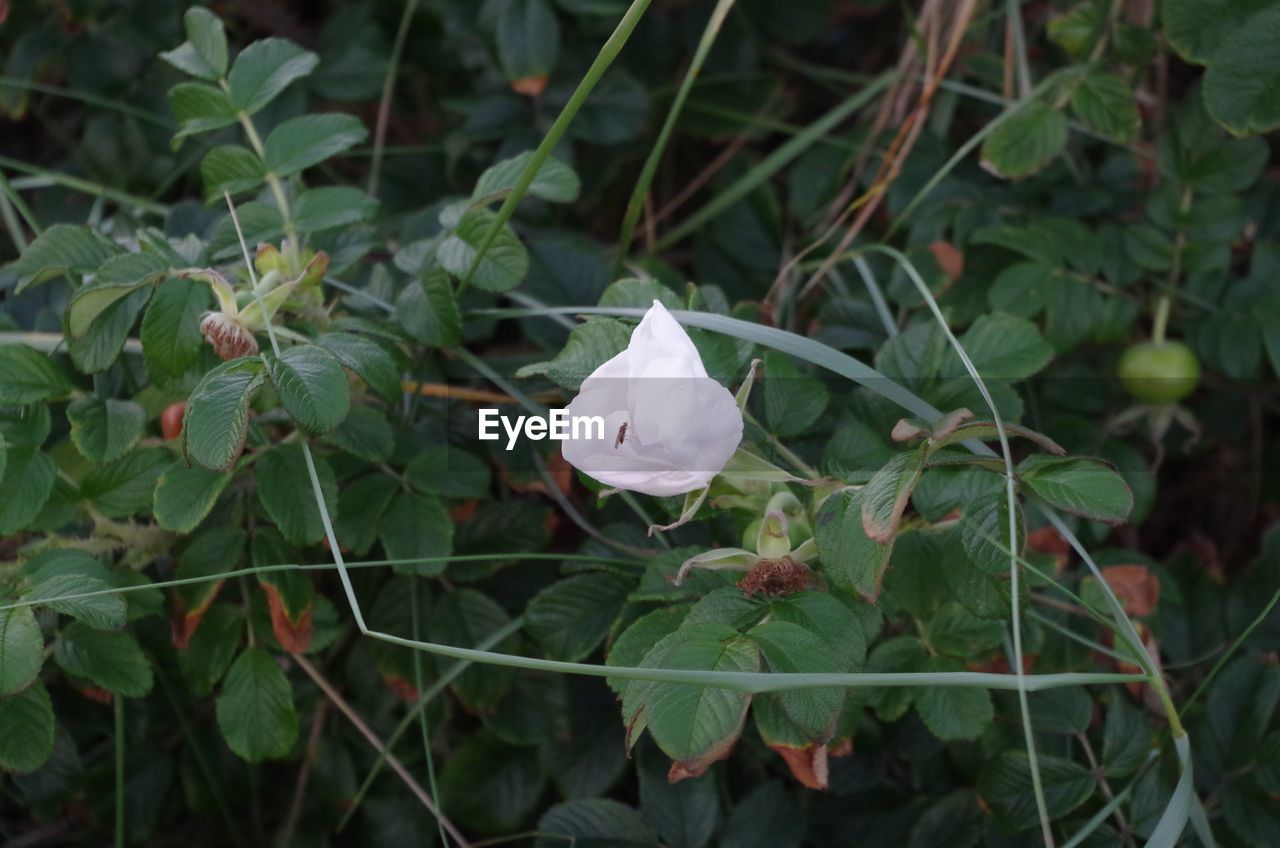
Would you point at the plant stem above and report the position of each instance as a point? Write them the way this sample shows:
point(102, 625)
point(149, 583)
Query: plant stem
point(120, 198)
point(1161, 321)
point(388, 86)
point(636, 203)
point(118, 708)
point(603, 60)
point(273, 182)
point(365, 731)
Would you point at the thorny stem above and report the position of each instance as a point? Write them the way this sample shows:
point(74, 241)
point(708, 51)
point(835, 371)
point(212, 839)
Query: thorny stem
point(365, 731)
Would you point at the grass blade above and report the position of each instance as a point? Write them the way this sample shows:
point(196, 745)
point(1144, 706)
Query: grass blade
point(603, 60)
point(636, 203)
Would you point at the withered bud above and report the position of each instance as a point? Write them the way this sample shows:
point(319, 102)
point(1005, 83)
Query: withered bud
point(781, 576)
point(230, 340)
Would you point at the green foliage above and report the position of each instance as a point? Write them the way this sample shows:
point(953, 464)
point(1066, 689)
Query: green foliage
point(189, 400)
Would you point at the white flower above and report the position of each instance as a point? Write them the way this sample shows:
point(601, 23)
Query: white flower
point(668, 427)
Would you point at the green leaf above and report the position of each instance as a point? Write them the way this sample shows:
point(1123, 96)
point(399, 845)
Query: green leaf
point(984, 532)
point(1002, 347)
point(184, 496)
point(366, 359)
point(464, 618)
point(851, 559)
point(414, 527)
point(210, 650)
point(595, 823)
point(428, 312)
point(103, 430)
point(1089, 488)
point(686, 813)
point(213, 551)
point(230, 168)
point(449, 472)
point(590, 345)
point(789, 648)
point(1242, 81)
point(118, 277)
point(21, 649)
point(171, 337)
point(360, 507)
point(1022, 288)
point(101, 612)
point(365, 433)
point(1126, 740)
point(27, 718)
point(766, 817)
point(1027, 141)
point(489, 786)
point(204, 53)
point(284, 486)
point(217, 417)
point(98, 349)
point(793, 400)
point(554, 181)
point(198, 108)
point(124, 487)
point(28, 376)
point(695, 725)
point(62, 249)
point(571, 617)
point(264, 69)
point(638, 639)
point(1198, 28)
point(886, 495)
point(953, 713)
point(505, 263)
point(111, 660)
point(528, 39)
point(1005, 785)
point(332, 206)
point(1077, 29)
point(955, 820)
point(28, 481)
point(310, 139)
point(1105, 102)
point(311, 386)
point(255, 708)
point(261, 222)
point(957, 632)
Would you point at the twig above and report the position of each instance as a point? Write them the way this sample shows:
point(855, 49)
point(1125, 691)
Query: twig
point(368, 734)
point(308, 760)
point(1125, 833)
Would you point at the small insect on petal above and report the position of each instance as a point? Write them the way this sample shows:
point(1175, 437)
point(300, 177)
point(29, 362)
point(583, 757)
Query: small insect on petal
point(622, 435)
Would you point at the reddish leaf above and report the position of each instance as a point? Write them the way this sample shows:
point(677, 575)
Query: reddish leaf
point(184, 622)
point(808, 764)
point(529, 86)
point(1136, 587)
point(291, 627)
point(949, 259)
point(681, 769)
point(403, 689)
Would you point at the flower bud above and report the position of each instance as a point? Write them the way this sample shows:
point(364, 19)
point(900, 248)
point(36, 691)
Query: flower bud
point(315, 266)
point(230, 340)
point(268, 259)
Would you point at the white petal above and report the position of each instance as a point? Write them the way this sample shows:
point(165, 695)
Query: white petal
point(660, 348)
point(681, 427)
